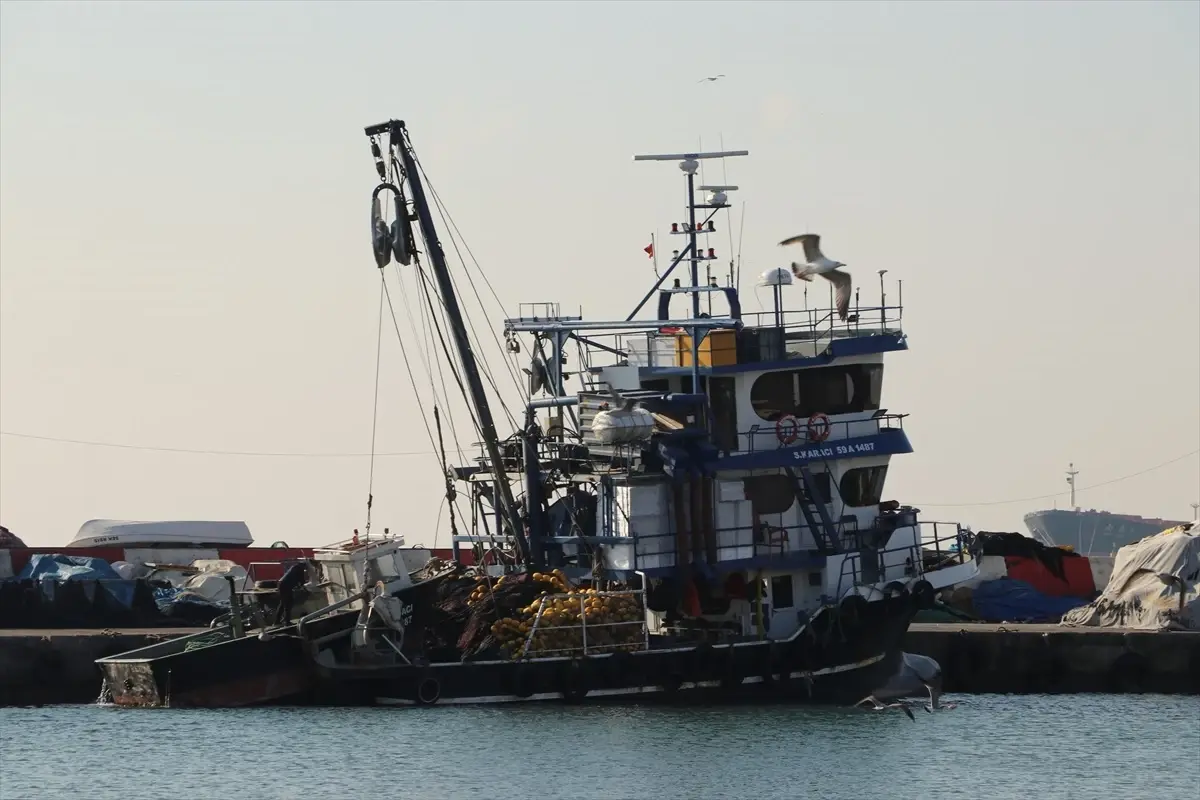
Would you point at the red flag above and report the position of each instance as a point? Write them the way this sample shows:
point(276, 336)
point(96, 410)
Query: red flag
point(649, 250)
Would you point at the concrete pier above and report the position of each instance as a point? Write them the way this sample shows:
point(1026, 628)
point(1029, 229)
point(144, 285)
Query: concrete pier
point(41, 667)
point(986, 658)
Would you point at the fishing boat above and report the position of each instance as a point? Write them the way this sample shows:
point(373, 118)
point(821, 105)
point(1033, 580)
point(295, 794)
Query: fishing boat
point(699, 516)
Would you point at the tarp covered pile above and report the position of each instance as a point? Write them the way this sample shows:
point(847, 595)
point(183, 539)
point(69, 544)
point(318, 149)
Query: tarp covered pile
point(51, 570)
point(1147, 582)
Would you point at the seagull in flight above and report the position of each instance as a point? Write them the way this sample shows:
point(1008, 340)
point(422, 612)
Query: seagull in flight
point(815, 263)
point(900, 704)
point(713, 78)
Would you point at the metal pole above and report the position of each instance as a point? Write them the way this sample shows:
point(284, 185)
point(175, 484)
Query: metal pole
point(691, 182)
point(487, 427)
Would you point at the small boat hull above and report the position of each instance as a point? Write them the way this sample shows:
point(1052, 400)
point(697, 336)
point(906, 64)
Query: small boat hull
point(215, 670)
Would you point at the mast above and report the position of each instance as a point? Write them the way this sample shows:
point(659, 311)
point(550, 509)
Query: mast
point(399, 141)
point(1071, 473)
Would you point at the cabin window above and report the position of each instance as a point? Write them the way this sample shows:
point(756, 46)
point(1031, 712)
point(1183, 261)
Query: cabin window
point(823, 485)
point(781, 592)
point(863, 486)
point(804, 392)
point(723, 401)
point(770, 494)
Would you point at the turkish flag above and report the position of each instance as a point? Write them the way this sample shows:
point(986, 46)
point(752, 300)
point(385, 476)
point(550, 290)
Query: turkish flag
point(649, 250)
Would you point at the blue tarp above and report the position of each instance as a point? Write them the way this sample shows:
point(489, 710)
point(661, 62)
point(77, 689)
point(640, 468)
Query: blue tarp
point(1008, 600)
point(60, 568)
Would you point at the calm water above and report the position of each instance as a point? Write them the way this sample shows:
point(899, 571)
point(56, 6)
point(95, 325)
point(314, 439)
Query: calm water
point(1032, 747)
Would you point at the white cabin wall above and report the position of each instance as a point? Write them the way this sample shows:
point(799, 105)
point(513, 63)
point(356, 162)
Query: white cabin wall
point(755, 433)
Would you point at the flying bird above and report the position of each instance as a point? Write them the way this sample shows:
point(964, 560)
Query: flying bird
point(713, 78)
point(878, 706)
point(815, 263)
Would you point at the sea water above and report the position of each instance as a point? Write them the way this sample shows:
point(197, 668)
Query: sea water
point(987, 748)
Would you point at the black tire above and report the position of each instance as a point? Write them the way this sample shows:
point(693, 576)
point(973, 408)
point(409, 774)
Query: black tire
point(520, 681)
point(924, 594)
point(428, 692)
point(573, 681)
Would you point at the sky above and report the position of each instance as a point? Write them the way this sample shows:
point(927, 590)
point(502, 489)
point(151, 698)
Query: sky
point(184, 260)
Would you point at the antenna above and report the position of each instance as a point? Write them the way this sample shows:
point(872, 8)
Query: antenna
point(1071, 473)
point(689, 163)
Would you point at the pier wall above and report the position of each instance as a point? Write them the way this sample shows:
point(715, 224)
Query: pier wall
point(984, 658)
point(41, 667)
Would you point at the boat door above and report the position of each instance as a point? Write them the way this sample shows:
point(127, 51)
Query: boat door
point(784, 619)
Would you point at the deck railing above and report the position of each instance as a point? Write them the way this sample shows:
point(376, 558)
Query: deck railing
point(945, 539)
point(796, 432)
point(547, 638)
point(800, 333)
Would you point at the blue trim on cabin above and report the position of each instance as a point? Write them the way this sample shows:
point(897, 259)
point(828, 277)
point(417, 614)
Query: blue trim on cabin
point(884, 443)
point(791, 561)
point(838, 348)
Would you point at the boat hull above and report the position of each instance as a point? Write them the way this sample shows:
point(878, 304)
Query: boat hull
point(828, 661)
point(215, 670)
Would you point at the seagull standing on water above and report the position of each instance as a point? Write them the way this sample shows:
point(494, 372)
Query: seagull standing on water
point(815, 263)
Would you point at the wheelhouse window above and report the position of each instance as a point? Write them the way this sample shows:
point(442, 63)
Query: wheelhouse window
point(823, 486)
point(770, 494)
point(863, 486)
point(803, 392)
point(781, 591)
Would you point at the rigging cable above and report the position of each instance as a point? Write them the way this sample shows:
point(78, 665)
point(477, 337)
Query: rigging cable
point(455, 235)
point(375, 407)
point(408, 367)
point(199, 452)
point(1059, 494)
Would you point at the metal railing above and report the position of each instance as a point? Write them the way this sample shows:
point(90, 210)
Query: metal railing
point(548, 639)
point(915, 563)
point(729, 544)
point(803, 332)
point(773, 435)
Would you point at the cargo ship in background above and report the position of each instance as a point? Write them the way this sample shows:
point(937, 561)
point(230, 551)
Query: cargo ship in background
point(1091, 531)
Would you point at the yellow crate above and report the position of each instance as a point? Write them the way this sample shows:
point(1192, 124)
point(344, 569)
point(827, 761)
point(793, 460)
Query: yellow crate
point(717, 349)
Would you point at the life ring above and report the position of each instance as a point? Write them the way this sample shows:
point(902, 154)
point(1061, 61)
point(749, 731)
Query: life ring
point(787, 429)
point(573, 681)
point(818, 427)
point(429, 691)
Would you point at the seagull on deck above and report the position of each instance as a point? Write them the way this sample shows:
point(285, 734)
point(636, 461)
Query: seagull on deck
point(713, 78)
point(900, 704)
point(815, 263)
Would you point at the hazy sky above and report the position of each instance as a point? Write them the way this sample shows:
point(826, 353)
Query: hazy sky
point(184, 262)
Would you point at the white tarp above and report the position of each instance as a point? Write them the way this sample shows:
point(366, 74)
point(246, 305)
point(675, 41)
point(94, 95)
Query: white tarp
point(1144, 590)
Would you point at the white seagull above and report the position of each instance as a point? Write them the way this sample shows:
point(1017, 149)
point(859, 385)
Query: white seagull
point(900, 704)
point(713, 78)
point(815, 263)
